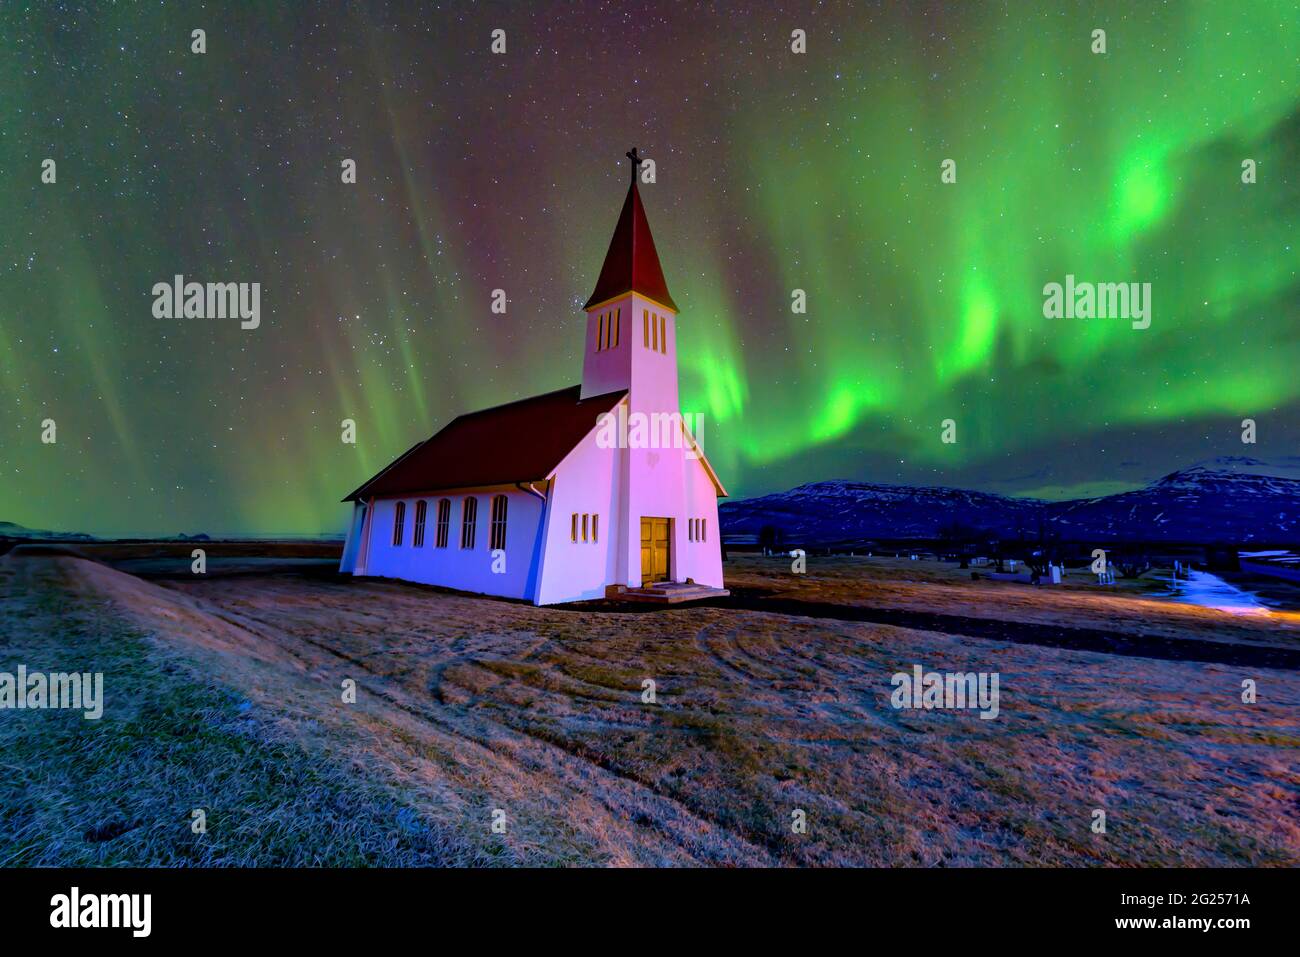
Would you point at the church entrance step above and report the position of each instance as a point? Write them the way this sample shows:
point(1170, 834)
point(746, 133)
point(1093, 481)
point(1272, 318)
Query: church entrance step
point(665, 593)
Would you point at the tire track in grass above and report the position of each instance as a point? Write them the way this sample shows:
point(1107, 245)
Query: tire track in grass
point(639, 799)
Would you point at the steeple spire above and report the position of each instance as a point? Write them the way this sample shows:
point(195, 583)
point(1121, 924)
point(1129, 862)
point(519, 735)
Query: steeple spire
point(632, 263)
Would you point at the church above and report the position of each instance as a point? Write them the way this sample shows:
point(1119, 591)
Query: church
point(533, 500)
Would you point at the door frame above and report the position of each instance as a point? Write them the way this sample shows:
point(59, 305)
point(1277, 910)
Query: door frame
point(647, 576)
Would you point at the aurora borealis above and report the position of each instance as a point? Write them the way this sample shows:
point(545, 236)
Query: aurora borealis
point(775, 171)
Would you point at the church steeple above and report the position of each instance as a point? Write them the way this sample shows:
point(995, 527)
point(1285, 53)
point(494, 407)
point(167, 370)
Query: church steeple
point(632, 263)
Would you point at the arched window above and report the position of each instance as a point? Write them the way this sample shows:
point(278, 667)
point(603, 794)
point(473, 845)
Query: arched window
point(417, 539)
point(467, 522)
point(497, 535)
point(399, 519)
point(444, 523)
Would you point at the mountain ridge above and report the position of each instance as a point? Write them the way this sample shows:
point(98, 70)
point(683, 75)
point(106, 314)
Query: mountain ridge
point(1232, 500)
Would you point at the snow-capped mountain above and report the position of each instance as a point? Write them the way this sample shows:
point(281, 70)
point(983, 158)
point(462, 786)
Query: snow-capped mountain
point(1214, 504)
point(1226, 501)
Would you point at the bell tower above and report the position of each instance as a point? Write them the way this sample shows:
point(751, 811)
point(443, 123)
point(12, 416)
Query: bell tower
point(631, 338)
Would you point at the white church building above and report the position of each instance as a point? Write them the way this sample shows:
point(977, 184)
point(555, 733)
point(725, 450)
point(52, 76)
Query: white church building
point(596, 490)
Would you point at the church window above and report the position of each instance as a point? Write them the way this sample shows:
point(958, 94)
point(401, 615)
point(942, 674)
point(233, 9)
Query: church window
point(645, 327)
point(607, 324)
point(663, 334)
point(444, 523)
point(584, 527)
point(417, 539)
point(399, 519)
point(497, 536)
point(704, 529)
point(468, 520)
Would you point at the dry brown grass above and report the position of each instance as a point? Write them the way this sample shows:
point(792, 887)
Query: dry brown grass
point(1128, 606)
point(470, 704)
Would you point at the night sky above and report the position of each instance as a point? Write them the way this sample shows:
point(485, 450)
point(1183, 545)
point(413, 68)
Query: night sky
point(775, 171)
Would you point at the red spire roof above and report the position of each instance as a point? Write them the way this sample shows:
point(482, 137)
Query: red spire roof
point(632, 264)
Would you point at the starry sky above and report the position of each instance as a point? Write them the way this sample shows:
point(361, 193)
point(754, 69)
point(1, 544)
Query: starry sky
point(775, 171)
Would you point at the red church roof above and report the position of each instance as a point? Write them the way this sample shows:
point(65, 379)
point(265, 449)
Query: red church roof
point(519, 442)
point(632, 264)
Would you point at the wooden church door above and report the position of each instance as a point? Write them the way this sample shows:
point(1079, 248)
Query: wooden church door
point(654, 550)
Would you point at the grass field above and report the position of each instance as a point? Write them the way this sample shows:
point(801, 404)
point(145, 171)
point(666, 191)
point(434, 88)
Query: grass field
point(223, 692)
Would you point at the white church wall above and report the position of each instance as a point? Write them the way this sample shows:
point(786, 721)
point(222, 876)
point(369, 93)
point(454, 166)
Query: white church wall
point(656, 474)
point(655, 481)
point(586, 483)
point(653, 373)
point(606, 370)
point(467, 569)
point(703, 558)
point(351, 545)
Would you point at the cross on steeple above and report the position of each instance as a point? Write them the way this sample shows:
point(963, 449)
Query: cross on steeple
point(631, 263)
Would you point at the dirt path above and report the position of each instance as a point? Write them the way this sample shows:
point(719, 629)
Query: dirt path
point(1030, 633)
